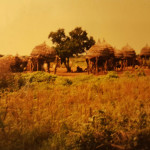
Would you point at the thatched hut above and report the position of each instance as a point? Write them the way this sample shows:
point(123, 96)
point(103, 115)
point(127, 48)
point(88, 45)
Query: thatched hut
point(145, 52)
point(145, 55)
point(129, 56)
point(99, 55)
point(118, 54)
point(118, 59)
point(41, 54)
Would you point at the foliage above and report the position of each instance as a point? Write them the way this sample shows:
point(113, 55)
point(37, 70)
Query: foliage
point(112, 74)
point(77, 42)
point(80, 41)
point(140, 72)
point(41, 77)
point(64, 81)
point(11, 82)
point(85, 112)
point(16, 66)
point(128, 74)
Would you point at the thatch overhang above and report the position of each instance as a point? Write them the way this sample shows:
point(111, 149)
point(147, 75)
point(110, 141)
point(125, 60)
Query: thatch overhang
point(24, 58)
point(128, 52)
point(43, 51)
point(145, 51)
point(118, 54)
point(103, 49)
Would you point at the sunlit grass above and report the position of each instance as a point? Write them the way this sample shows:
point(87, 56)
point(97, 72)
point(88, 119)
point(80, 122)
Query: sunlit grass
point(84, 112)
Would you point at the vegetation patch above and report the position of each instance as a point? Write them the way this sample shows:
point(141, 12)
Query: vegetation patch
point(45, 112)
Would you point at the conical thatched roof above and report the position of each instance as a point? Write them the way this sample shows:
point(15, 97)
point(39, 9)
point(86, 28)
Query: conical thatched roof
point(118, 54)
point(145, 51)
point(43, 51)
point(128, 52)
point(100, 49)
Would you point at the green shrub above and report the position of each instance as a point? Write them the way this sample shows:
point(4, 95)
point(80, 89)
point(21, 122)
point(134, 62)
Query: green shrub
point(112, 74)
point(140, 72)
point(66, 82)
point(12, 82)
point(128, 74)
point(42, 77)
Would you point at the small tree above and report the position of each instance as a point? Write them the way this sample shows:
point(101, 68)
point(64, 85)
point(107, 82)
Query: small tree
point(77, 42)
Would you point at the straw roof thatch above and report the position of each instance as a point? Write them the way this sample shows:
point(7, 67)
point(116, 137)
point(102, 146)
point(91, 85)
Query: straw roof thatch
point(145, 51)
point(100, 49)
point(43, 51)
point(118, 54)
point(6, 62)
point(24, 58)
point(128, 52)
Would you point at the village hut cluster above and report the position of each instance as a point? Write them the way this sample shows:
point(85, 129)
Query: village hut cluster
point(39, 60)
point(101, 57)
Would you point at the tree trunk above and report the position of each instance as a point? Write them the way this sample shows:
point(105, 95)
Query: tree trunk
point(67, 65)
point(37, 65)
point(88, 67)
point(48, 66)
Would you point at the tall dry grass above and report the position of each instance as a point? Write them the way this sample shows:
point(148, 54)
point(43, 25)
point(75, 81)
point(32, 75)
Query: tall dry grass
point(85, 112)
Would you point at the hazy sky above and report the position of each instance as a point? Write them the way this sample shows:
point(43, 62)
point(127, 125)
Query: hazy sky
point(27, 23)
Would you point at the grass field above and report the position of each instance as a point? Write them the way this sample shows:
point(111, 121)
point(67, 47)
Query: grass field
point(40, 111)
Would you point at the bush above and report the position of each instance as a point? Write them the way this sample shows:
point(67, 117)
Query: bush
point(140, 72)
point(42, 77)
point(128, 74)
point(87, 112)
point(11, 82)
point(64, 81)
point(112, 74)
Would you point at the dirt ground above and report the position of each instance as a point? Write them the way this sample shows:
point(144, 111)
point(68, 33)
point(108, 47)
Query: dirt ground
point(63, 72)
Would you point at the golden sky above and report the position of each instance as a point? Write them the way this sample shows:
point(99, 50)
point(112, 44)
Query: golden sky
point(27, 23)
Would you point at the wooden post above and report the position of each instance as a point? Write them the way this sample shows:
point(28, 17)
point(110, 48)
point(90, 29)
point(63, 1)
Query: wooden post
point(55, 69)
point(116, 66)
point(96, 65)
point(30, 66)
point(106, 66)
point(126, 64)
point(133, 65)
point(48, 65)
point(121, 65)
point(89, 66)
point(37, 65)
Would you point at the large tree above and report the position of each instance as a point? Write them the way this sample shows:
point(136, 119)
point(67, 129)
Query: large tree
point(76, 42)
point(80, 41)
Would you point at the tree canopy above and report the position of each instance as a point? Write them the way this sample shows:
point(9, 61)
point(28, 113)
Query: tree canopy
point(80, 41)
point(66, 45)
